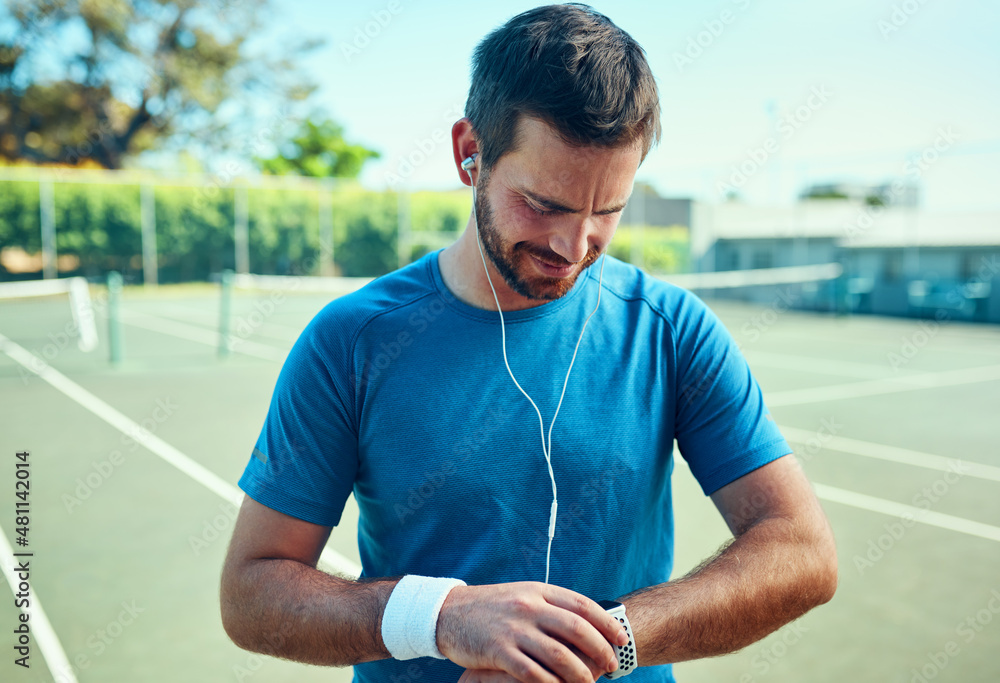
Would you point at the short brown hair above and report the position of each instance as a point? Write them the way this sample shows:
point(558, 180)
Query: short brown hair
point(570, 67)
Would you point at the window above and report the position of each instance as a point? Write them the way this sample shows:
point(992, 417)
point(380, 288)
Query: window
point(763, 257)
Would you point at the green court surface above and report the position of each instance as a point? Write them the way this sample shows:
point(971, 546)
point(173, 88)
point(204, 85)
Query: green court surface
point(889, 417)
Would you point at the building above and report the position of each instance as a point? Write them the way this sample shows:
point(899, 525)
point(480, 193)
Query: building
point(885, 194)
point(646, 207)
point(900, 261)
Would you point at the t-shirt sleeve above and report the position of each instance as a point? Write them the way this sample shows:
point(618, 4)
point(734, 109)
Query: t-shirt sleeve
point(305, 460)
point(722, 427)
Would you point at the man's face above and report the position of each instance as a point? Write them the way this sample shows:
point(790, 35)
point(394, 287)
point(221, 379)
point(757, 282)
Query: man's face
point(549, 203)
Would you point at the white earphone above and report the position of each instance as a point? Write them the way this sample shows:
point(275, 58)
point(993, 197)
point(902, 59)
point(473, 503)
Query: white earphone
point(467, 165)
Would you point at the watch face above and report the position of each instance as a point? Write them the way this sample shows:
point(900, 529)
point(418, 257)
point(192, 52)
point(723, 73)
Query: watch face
point(608, 604)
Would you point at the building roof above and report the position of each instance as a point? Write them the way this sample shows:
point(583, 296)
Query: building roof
point(851, 223)
point(929, 229)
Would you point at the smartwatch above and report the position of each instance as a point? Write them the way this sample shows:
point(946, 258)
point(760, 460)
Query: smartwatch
point(626, 652)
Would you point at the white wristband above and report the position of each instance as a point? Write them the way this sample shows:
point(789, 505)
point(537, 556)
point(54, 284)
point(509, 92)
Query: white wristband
point(409, 622)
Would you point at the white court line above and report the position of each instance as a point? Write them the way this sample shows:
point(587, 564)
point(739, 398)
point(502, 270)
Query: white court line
point(201, 335)
point(894, 454)
point(893, 509)
point(41, 628)
point(822, 366)
point(168, 453)
point(877, 387)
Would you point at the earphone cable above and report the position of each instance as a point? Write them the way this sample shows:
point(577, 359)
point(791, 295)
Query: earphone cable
point(546, 450)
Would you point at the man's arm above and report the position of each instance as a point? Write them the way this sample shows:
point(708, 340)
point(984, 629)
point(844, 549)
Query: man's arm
point(781, 564)
point(275, 601)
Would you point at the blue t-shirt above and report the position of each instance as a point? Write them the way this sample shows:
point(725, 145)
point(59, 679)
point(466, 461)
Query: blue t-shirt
point(399, 393)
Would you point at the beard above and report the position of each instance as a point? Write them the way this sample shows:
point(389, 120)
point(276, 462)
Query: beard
point(513, 261)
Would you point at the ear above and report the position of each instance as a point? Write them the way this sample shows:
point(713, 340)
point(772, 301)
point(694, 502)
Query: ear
point(463, 145)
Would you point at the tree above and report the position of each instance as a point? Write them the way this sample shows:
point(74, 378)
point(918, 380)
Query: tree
point(149, 73)
point(318, 150)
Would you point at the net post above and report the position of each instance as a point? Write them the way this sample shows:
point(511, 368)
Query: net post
point(225, 308)
point(326, 228)
point(241, 234)
point(114, 317)
point(841, 305)
point(83, 313)
point(147, 231)
point(47, 208)
point(404, 245)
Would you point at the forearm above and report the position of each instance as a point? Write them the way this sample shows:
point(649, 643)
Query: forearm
point(767, 577)
point(287, 609)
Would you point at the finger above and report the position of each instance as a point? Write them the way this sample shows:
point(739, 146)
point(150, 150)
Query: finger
point(557, 658)
point(523, 668)
point(577, 632)
point(595, 669)
point(607, 625)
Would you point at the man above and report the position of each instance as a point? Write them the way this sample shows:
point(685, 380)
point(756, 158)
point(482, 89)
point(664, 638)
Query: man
point(399, 393)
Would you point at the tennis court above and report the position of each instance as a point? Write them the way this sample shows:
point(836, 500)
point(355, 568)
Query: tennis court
point(133, 473)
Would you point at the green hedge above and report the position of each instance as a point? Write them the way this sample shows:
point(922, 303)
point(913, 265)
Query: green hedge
point(664, 249)
point(100, 225)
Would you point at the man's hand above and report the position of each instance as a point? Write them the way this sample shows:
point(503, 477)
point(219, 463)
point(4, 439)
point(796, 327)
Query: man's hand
point(486, 676)
point(529, 632)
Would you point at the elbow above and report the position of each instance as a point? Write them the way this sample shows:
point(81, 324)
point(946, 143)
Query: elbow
point(230, 624)
point(825, 568)
point(826, 583)
point(233, 618)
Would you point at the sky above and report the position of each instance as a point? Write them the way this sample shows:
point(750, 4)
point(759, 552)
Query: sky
point(762, 97)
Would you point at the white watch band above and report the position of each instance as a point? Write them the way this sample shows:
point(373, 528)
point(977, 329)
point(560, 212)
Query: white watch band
point(625, 653)
point(409, 621)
